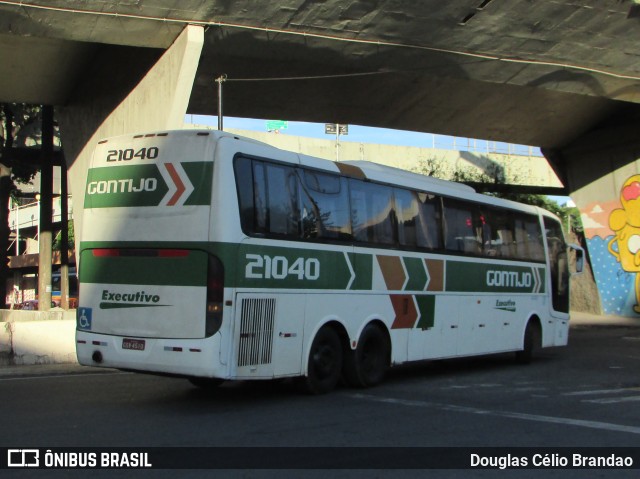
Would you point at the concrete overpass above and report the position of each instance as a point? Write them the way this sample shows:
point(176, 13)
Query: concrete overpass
point(561, 74)
point(540, 73)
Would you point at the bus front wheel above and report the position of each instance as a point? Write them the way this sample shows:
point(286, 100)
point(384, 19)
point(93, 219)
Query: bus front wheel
point(325, 362)
point(367, 364)
point(532, 342)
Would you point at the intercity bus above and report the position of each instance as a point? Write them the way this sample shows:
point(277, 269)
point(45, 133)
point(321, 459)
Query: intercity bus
point(213, 257)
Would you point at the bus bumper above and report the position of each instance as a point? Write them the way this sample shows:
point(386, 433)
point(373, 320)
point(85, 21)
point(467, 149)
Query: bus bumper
point(185, 357)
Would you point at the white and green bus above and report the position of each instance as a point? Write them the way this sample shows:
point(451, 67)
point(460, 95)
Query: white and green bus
point(214, 257)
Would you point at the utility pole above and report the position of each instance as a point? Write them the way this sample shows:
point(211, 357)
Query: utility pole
point(5, 190)
point(46, 200)
point(219, 81)
point(338, 129)
point(64, 234)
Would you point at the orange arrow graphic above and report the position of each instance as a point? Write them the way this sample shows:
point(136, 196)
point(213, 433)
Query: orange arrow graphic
point(178, 182)
point(405, 309)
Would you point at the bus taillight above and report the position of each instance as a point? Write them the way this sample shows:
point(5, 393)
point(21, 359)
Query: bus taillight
point(215, 296)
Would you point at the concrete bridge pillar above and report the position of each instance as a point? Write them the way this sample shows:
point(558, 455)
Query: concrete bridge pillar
point(126, 90)
point(602, 170)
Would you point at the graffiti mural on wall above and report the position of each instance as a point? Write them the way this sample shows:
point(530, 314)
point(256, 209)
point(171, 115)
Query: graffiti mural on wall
point(612, 230)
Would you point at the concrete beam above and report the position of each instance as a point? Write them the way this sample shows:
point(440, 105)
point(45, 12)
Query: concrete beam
point(142, 93)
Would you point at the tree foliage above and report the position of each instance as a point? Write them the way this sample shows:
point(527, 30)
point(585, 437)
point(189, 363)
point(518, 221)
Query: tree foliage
point(20, 127)
point(57, 241)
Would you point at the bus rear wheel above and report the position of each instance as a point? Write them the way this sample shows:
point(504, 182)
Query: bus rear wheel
point(206, 383)
point(367, 365)
point(325, 362)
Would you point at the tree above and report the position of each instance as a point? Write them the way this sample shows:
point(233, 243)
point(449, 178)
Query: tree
point(20, 127)
point(570, 216)
point(57, 241)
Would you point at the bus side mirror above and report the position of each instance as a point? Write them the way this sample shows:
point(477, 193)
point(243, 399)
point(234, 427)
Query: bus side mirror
point(579, 255)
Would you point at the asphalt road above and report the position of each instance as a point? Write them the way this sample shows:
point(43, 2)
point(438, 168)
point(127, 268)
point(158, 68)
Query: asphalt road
point(585, 395)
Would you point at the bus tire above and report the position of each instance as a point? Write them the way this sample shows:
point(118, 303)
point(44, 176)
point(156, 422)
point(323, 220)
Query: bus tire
point(206, 383)
point(367, 365)
point(325, 362)
point(531, 343)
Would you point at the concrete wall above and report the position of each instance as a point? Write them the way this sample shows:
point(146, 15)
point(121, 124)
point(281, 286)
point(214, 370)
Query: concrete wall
point(518, 169)
point(37, 337)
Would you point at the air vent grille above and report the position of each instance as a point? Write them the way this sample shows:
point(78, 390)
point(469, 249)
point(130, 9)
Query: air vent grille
point(256, 331)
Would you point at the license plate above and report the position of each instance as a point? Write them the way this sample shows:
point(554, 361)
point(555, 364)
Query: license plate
point(135, 344)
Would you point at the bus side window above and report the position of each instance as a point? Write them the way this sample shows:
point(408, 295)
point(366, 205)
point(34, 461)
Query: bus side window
point(372, 212)
point(459, 224)
point(502, 243)
point(325, 206)
point(282, 194)
point(259, 198)
point(483, 228)
point(407, 210)
point(244, 184)
point(428, 228)
point(534, 237)
point(528, 238)
point(418, 219)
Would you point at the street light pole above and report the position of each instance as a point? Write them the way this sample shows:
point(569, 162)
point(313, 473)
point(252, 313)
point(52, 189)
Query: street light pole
point(219, 81)
point(338, 129)
point(45, 234)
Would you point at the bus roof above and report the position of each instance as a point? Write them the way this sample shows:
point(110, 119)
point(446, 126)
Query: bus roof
point(390, 174)
point(363, 169)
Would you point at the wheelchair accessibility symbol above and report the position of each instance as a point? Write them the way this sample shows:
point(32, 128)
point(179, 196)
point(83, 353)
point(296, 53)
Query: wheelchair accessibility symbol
point(84, 318)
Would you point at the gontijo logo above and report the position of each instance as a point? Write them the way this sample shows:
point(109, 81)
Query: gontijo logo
point(491, 278)
point(527, 280)
point(156, 184)
point(121, 186)
point(516, 279)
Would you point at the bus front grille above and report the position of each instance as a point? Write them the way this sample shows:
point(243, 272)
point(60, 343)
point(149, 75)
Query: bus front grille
point(256, 331)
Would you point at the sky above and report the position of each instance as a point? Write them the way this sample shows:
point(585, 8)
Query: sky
point(365, 134)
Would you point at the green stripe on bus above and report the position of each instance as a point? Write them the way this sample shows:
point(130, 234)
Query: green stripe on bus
point(417, 274)
point(248, 265)
point(427, 309)
point(363, 267)
point(200, 174)
point(144, 270)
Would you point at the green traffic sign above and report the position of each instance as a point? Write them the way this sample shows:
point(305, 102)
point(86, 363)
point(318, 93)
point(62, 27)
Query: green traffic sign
point(277, 125)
